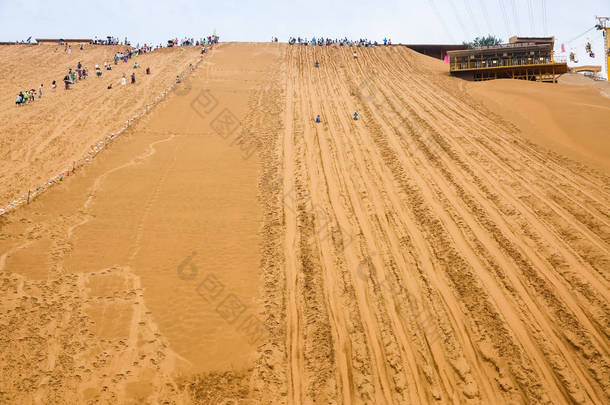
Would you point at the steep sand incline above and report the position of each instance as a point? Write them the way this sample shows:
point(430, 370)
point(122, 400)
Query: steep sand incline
point(39, 140)
point(141, 271)
point(428, 252)
point(431, 253)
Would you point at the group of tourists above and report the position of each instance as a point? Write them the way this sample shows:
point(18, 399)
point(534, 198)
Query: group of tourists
point(211, 39)
point(82, 72)
point(341, 42)
point(110, 40)
point(28, 96)
point(73, 75)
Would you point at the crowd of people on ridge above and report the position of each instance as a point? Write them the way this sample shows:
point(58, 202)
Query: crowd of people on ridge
point(82, 72)
point(212, 39)
point(341, 42)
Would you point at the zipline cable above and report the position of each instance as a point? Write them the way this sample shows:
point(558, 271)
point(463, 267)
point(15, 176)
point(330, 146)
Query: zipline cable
point(544, 18)
point(472, 17)
point(578, 36)
point(486, 16)
point(530, 9)
point(441, 20)
point(505, 17)
point(458, 17)
point(516, 15)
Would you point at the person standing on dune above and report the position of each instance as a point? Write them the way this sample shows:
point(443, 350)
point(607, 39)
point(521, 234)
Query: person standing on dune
point(123, 80)
point(40, 91)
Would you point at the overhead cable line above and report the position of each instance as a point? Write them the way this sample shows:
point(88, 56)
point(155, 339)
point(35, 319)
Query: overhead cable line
point(486, 16)
point(505, 17)
point(530, 9)
point(472, 17)
point(441, 20)
point(544, 18)
point(458, 17)
point(516, 16)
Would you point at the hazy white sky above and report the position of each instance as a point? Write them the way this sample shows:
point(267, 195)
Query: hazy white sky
point(405, 21)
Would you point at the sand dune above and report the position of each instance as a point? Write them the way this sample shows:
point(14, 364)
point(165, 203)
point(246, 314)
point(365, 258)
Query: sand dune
point(437, 250)
point(575, 79)
point(40, 139)
point(571, 120)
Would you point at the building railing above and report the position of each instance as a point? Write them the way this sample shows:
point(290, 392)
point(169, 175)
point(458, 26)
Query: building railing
point(509, 45)
point(490, 63)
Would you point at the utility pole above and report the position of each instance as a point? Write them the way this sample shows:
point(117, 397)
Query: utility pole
point(604, 26)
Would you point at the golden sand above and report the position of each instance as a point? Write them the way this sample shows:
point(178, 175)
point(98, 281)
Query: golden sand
point(450, 246)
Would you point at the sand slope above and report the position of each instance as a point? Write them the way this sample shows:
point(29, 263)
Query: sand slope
point(118, 285)
point(430, 252)
point(572, 120)
point(576, 79)
point(41, 139)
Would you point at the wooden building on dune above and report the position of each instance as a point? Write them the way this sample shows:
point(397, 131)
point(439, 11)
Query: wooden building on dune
point(521, 58)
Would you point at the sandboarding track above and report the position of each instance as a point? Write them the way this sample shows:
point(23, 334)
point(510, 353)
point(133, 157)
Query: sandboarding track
point(429, 252)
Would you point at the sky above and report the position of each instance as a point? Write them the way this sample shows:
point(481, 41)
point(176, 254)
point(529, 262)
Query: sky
point(404, 21)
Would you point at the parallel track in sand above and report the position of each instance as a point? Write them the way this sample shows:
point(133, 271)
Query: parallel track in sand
point(430, 253)
point(425, 253)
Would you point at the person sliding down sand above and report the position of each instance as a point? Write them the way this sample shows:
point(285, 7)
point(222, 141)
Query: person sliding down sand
point(355, 55)
point(123, 80)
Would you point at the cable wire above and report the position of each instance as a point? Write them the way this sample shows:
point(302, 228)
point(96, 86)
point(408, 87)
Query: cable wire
point(441, 20)
point(544, 18)
point(472, 17)
point(486, 17)
point(578, 36)
point(505, 17)
point(516, 15)
point(458, 17)
point(530, 9)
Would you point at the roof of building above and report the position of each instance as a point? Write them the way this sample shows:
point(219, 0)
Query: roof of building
point(518, 46)
point(531, 40)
